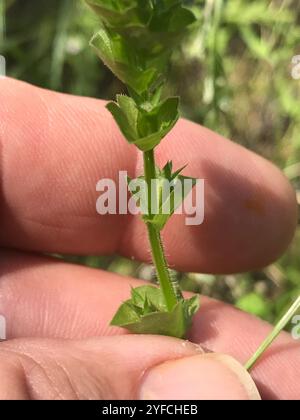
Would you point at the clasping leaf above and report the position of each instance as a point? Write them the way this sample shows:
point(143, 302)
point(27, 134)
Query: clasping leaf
point(169, 190)
point(123, 60)
point(173, 189)
point(142, 126)
point(146, 313)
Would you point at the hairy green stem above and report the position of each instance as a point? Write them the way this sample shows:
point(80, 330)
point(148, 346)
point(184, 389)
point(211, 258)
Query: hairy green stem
point(161, 267)
point(150, 174)
point(168, 287)
point(274, 334)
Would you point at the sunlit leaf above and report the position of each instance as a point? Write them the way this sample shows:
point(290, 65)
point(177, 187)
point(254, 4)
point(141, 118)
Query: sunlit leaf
point(146, 313)
point(123, 60)
point(144, 128)
point(172, 190)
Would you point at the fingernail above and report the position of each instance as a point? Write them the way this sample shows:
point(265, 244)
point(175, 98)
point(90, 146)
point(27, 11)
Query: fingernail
point(202, 377)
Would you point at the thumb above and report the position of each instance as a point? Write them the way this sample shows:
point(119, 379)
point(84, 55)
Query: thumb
point(201, 377)
point(121, 368)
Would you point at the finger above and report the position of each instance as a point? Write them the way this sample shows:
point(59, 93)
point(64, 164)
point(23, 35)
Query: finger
point(98, 369)
point(56, 147)
point(44, 298)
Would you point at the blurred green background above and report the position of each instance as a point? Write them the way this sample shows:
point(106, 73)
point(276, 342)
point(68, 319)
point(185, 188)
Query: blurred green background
point(234, 75)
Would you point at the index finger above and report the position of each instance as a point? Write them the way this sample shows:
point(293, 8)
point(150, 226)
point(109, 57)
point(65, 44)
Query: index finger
point(56, 147)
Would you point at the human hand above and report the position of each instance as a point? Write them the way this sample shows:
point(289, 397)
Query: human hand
point(54, 148)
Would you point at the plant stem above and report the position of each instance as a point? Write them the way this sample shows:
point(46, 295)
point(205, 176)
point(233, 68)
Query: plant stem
point(274, 334)
point(169, 288)
point(161, 267)
point(150, 173)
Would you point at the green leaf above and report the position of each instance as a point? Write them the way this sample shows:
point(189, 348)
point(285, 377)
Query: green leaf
point(171, 21)
point(122, 121)
point(171, 192)
point(127, 63)
point(146, 313)
point(151, 293)
point(140, 37)
point(122, 13)
point(144, 127)
point(125, 113)
point(153, 126)
point(169, 195)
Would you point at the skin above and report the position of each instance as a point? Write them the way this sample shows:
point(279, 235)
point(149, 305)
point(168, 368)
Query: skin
point(54, 148)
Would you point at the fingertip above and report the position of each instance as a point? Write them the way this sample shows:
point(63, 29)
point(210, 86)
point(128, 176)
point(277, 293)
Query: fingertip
point(201, 377)
point(250, 207)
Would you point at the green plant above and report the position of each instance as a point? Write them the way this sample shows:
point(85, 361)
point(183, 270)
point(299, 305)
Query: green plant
point(135, 41)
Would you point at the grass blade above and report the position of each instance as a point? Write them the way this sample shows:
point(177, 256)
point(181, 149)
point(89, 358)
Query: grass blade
point(274, 334)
